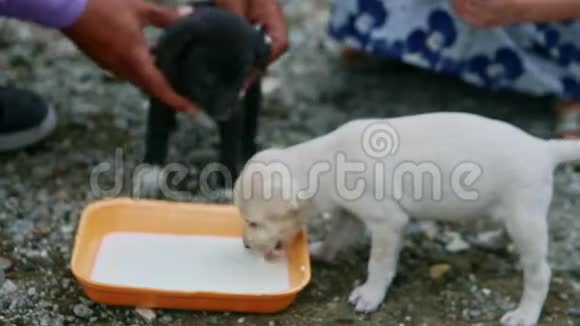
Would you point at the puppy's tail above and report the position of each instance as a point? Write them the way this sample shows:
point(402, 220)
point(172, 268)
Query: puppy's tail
point(565, 150)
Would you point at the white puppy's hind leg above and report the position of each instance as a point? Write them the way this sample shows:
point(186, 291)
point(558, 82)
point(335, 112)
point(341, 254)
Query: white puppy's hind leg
point(344, 231)
point(530, 235)
point(386, 227)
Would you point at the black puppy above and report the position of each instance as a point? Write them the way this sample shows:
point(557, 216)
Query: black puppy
point(208, 58)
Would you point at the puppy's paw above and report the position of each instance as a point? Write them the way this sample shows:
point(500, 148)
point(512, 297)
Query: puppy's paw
point(519, 318)
point(319, 252)
point(148, 183)
point(367, 298)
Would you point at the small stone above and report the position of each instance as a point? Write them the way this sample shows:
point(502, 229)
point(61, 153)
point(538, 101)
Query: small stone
point(575, 286)
point(271, 323)
point(44, 321)
point(86, 301)
point(437, 271)
point(574, 312)
point(204, 121)
point(44, 304)
point(270, 84)
point(32, 292)
point(326, 216)
point(431, 233)
point(474, 313)
point(166, 319)
point(8, 287)
point(67, 228)
point(457, 244)
point(241, 320)
point(40, 231)
point(146, 313)
point(5, 264)
point(213, 320)
point(486, 292)
point(465, 314)
point(82, 311)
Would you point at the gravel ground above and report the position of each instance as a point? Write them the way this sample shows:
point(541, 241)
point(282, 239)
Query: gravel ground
point(309, 92)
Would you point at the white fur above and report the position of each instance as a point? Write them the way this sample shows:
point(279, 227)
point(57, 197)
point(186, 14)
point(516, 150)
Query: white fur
point(148, 184)
point(515, 188)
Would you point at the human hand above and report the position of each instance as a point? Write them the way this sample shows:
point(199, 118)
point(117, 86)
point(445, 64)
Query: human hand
point(111, 33)
point(494, 13)
point(267, 13)
point(490, 13)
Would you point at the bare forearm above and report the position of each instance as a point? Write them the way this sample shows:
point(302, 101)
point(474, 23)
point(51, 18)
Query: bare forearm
point(495, 13)
point(551, 10)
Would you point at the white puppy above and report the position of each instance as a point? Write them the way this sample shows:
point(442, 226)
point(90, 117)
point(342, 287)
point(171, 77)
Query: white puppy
point(381, 173)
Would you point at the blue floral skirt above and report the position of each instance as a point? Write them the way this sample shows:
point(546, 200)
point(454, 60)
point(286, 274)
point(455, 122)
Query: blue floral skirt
point(538, 59)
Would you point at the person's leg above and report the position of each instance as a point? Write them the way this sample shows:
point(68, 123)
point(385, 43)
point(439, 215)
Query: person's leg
point(534, 59)
point(25, 119)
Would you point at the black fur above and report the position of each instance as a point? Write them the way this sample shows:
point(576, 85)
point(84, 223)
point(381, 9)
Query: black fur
point(207, 58)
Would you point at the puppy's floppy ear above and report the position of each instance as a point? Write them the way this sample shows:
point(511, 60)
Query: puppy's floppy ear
point(295, 209)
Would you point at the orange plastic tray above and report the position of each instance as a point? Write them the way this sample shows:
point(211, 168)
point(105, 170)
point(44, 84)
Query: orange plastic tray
point(145, 216)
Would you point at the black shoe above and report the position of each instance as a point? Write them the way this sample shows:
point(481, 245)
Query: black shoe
point(25, 119)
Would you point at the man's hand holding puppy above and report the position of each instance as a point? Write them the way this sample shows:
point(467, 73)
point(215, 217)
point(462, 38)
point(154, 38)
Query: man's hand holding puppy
point(121, 48)
point(267, 13)
point(125, 53)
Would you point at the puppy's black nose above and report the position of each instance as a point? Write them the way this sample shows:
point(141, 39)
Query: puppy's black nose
point(246, 245)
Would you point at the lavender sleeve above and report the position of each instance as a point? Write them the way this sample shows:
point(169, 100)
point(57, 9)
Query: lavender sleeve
point(49, 13)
